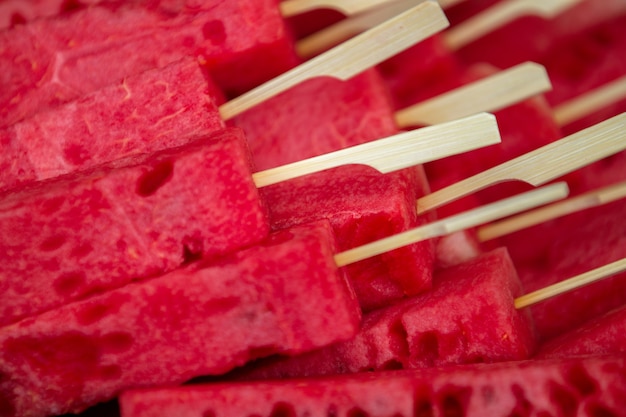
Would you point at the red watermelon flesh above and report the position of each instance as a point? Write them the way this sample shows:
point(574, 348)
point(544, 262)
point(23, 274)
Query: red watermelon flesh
point(599, 336)
point(580, 243)
point(316, 117)
point(362, 206)
point(325, 115)
point(467, 317)
point(574, 386)
point(531, 38)
point(420, 72)
point(586, 62)
point(135, 116)
point(50, 61)
point(66, 238)
point(285, 295)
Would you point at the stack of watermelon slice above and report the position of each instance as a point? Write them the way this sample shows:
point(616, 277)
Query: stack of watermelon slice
point(145, 275)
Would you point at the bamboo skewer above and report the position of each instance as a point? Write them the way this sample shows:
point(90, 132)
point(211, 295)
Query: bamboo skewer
point(456, 223)
point(352, 56)
point(487, 95)
point(290, 8)
point(543, 164)
point(398, 151)
point(594, 198)
point(571, 284)
point(590, 102)
point(499, 15)
point(347, 28)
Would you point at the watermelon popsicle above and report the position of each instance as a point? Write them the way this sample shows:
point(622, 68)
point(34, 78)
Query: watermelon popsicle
point(137, 115)
point(283, 295)
point(467, 317)
point(589, 386)
point(342, 114)
point(222, 211)
point(50, 61)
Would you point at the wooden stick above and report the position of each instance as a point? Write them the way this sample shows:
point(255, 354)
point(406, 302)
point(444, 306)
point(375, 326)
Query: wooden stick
point(590, 102)
point(571, 284)
point(396, 152)
point(582, 202)
point(449, 3)
point(456, 223)
point(345, 29)
point(499, 15)
point(487, 95)
point(543, 164)
point(352, 56)
point(290, 8)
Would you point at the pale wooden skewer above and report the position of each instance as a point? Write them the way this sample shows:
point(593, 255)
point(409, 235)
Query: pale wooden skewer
point(590, 102)
point(594, 198)
point(486, 95)
point(571, 283)
point(456, 223)
point(290, 8)
point(449, 3)
point(499, 15)
point(543, 164)
point(352, 56)
point(347, 28)
point(398, 151)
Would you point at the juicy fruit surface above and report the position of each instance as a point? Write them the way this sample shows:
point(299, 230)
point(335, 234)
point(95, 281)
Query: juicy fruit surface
point(467, 317)
point(51, 61)
point(73, 236)
point(574, 386)
point(201, 320)
point(135, 116)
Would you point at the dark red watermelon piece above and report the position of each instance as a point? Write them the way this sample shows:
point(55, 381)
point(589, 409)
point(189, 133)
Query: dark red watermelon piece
point(532, 38)
point(66, 238)
point(285, 295)
point(467, 317)
point(578, 243)
point(325, 115)
point(135, 116)
point(590, 387)
point(599, 336)
point(50, 61)
point(420, 72)
point(586, 62)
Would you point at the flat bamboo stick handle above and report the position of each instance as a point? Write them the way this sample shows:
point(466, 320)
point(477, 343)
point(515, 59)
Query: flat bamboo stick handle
point(499, 15)
point(398, 151)
point(290, 8)
point(543, 164)
point(571, 284)
point(486, 95)
point(352, 56)
point(594, 198)
point(345, 29)
point(590, 102)
point(469, 219)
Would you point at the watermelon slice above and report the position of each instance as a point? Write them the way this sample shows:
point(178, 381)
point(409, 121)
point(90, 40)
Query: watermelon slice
point(135, 116)
point(66, 238)
point(599, 336)
point(567, 387)
point(50, 61)
point(532, 38)
point(579, 243)
point(285, 295)
point(324, 115)
point(467, 317)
